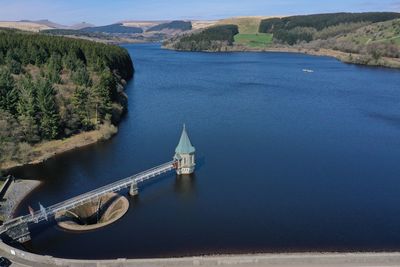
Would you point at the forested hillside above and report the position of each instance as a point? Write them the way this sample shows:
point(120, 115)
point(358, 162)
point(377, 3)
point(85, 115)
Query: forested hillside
point(118, 28)
point(173, 25)
point(363, 38)
point(55, 87)
point(367, 38)
point(210, 39)
point(101, 32)
point(292, 30)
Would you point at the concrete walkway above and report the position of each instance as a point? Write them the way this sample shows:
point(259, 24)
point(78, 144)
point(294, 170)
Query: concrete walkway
point(21, 258)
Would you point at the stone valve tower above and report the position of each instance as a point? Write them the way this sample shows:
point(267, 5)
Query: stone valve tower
point(184, 155)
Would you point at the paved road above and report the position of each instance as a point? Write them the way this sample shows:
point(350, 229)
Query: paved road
point(258, 260)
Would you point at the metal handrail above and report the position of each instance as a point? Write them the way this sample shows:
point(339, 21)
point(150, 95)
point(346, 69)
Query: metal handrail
point(88, 196)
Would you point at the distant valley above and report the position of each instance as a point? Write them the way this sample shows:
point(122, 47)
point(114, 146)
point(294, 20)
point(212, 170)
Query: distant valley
point(125, 31)
point(371, 38)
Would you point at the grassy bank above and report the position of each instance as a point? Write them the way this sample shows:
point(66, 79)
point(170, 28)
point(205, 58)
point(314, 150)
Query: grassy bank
point(253, 39)
point(43, 151)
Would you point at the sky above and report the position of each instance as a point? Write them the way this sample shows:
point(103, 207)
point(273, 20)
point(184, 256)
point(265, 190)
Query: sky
point(101, 12)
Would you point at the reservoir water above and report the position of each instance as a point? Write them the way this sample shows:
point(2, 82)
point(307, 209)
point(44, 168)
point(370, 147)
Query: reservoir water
point(286, 160)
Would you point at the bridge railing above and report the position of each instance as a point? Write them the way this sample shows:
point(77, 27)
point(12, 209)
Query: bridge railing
point(89, 196)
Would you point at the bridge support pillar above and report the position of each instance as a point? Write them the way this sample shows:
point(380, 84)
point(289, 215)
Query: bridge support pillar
point(133, 190)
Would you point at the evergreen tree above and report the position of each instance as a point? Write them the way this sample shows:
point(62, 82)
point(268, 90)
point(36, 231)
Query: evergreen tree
point(81, 77)
point(55, 62)
point(54, 67)
point(48, 115)
point(26, 109)
point(82, 106)
point(53, 76)
point(8, 92)
point(102, 94)
point(41, 56)
point(2, 58)
point(9, 135)
point(69, 61)
point(14, 66)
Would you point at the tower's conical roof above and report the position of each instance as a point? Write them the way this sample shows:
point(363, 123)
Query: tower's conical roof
point(184, 146)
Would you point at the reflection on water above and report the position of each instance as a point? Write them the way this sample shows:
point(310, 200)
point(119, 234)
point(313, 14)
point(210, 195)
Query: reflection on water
point(185, 185)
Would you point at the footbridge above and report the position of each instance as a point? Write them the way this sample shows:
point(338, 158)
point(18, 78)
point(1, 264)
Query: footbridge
point(17, 228)
point(183, 162)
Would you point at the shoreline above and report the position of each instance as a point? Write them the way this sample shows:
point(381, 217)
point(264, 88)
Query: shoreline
point(349, 58)
point(15, 194)
point(46, 150)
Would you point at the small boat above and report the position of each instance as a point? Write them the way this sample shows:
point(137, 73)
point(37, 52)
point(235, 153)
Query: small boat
point(308, 70)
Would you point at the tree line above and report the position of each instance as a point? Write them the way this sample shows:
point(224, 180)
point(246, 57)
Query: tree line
point(295, 29)
point(54, 87)
point(211, 39)
point(173, 25)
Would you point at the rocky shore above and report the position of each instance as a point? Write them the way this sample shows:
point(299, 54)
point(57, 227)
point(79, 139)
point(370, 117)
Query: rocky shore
point(43, 151)
point(16, 192)
point(352, 58)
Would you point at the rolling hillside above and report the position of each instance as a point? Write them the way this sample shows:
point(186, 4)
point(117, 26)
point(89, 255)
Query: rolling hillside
point(176, 25)
point(24, 26)
point(363, 38)
point(247, 25)
point(117, 28)
point(387, 32)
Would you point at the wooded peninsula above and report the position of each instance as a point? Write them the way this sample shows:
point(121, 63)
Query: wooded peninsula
point(53, 88)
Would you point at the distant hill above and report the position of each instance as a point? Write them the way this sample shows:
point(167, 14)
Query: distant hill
point(142, 24)
point(77, 33)
point(118, 28)
point(40, 25)
point(81, 25)
point(202, 24)
point(24, 26)
point(247, 25)
point(173, 25)
point(49, 24)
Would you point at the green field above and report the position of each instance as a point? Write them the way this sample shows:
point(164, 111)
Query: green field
point(254, 40)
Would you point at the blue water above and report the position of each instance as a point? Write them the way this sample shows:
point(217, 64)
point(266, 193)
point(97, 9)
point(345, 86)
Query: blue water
point(287, 160)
